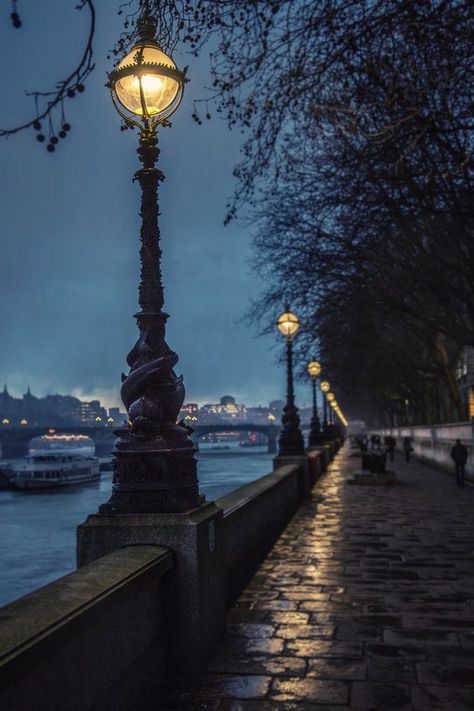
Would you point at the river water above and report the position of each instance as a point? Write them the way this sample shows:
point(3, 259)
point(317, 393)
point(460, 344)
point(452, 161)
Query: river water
point(38, 530)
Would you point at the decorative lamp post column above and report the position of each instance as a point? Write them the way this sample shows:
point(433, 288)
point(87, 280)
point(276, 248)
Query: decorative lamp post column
point(291, 441)
point(325, 387)
point(314, 371)
point(330, 398)
point(154, 466)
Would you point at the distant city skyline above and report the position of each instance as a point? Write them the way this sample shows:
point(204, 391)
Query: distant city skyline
point(210, 403)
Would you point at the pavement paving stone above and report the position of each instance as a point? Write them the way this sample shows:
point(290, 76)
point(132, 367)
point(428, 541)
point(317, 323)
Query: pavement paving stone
point(365, 602)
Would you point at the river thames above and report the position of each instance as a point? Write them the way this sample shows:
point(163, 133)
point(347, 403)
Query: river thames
point(38, 530)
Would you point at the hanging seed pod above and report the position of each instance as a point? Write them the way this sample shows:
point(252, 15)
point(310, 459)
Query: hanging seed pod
point(40, 137)
point(50, 148)
point(37, 125)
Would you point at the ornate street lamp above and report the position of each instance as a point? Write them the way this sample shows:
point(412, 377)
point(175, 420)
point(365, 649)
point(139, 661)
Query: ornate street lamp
point(291, 441)
point(154, 466)
point(325, 387)
point(314, 371)
point(330, 398)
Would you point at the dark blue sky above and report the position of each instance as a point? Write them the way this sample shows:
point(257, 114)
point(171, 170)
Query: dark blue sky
point(69, 232)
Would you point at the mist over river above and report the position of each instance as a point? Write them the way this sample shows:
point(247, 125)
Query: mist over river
point(38, 529)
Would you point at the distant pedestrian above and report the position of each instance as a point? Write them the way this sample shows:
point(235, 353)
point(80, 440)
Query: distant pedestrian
point(407, 448)
point(459, 457)
point(375, 441)
point(390, 443)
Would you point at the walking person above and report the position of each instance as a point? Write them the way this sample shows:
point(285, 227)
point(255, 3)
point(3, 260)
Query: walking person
point(459, 457)
point(390, 443)
point(407, 448)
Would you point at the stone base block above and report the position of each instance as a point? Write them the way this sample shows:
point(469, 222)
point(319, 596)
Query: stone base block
point(196, 598)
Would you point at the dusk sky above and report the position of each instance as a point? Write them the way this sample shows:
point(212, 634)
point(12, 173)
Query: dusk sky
point(69, 230)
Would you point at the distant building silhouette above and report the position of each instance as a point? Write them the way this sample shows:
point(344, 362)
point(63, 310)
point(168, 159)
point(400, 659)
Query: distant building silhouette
point(51, 410)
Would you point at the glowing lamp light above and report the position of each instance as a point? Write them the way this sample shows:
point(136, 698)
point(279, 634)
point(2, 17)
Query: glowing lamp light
point(110, 419)
point(330, 397)
point(5, 421)
point(288, 324)
point(325, 386)
point(98, 419)
point(146, 84)
point(23, 422)
point(314, 369)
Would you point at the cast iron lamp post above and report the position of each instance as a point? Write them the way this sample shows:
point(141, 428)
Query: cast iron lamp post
point(154, 466)
point(314, 371)
point(330, 398)
point(325, 387)
point(291, 441)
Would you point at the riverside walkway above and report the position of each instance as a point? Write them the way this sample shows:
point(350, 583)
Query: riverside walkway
point(365, 602)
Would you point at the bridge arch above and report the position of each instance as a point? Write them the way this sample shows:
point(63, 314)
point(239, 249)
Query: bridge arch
point(270, 431)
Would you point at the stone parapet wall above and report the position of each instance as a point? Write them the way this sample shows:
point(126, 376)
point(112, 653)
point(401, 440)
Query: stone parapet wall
point(94, 639)
point(433, 443)
point(254, 516)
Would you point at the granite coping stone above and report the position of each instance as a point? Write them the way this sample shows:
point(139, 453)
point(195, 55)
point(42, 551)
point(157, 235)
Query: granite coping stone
point(28, 619)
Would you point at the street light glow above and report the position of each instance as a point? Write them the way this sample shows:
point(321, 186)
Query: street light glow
point(146, 83)
point(288, 323)
point(314, 369)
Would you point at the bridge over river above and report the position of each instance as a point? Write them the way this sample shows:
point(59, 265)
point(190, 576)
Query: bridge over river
point(15, 440)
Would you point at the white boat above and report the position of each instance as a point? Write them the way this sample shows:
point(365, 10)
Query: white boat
point(56, 460)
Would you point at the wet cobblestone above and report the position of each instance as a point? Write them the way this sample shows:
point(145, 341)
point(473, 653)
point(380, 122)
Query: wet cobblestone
point(365, 602)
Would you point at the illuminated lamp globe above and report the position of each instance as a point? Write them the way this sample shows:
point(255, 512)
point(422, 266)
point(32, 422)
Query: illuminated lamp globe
point(146, 84)
point(325, 386)
point(288, 324)
point(334, 404)
point(314, 369)
point(330, 397)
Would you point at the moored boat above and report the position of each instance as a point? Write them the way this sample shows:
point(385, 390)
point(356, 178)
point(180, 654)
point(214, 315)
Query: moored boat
point(56, 461)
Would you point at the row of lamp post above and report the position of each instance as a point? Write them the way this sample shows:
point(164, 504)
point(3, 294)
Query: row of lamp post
point(291, 440)
point(155, 467)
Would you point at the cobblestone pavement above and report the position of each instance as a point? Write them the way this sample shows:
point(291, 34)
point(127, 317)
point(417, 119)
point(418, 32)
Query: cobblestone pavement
point(365, 602)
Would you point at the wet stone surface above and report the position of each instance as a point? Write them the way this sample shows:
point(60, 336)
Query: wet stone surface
point(365, 602)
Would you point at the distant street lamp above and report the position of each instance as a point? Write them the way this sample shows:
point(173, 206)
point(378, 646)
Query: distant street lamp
point(330, 397)
point(291, 441)
point(154, 467)
point(314, 371)
point(325, 387)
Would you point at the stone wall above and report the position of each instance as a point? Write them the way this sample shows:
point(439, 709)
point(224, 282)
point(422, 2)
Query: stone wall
point(94, 639)
point(254, 516)
point(432, 443)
